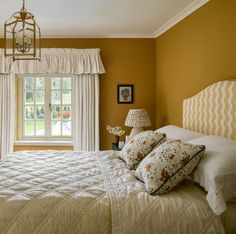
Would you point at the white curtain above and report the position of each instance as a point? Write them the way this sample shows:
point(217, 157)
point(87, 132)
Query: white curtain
point(56, 61)
point(7, 114)
point(84, 64)
point(85, 109)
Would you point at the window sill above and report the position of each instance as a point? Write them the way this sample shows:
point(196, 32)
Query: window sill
point(45, 143)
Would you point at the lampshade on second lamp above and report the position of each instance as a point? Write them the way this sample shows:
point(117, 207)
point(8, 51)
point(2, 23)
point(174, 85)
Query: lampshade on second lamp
point(137, 118)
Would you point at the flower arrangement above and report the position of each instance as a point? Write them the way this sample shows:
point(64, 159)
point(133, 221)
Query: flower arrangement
point(116, 131)
point(125, 93)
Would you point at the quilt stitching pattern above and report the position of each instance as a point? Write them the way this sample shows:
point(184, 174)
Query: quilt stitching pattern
point(52, 192)
point(134, 211)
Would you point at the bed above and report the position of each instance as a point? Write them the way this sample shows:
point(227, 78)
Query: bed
point(57, 192)
point(64, 192)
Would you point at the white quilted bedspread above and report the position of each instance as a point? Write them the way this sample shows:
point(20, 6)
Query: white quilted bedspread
point(50, 192)
point(184, 210)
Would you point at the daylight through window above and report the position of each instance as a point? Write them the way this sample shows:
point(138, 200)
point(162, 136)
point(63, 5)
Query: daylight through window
point(46, 107)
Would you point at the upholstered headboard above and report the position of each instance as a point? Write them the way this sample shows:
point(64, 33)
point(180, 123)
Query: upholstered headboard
point(213, 110)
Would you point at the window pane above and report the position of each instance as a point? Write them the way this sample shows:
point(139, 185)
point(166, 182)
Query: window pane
point(56, 128)
point(66, 128)
point(29, 128)
point(56, 113)
point(56, 83)
point(66, 113)
point(56, 97)
point(36, 95)
point(40, 83)
point(29, 83)
point(66, 97)
point(29, 112)
point(39, 128)
point(40, 112)
point(29, 98)
point(66, 83)
point(39, 97)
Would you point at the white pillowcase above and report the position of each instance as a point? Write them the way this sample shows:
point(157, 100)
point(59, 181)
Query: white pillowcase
point(216, 171)
point(176, 133)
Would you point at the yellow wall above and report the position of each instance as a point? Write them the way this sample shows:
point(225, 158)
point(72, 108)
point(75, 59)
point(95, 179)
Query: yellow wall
point(127, 61)
point(195, 53)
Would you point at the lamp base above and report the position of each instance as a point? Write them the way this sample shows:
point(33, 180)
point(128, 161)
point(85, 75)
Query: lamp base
point(135, 131)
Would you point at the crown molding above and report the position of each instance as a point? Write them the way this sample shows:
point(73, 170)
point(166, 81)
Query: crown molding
point(181, 15)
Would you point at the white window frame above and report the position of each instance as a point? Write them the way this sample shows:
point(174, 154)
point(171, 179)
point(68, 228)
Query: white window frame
point(37, 140)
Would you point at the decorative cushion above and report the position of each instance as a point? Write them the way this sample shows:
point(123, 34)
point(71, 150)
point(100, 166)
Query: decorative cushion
point(167, 165)
point(138, 147)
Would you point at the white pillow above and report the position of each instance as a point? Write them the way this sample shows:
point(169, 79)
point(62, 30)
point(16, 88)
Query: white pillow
point(176, 133)
point(216, 171)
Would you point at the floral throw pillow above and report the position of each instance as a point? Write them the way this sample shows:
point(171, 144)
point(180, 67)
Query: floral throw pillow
point(138, 147)
point(167, 165)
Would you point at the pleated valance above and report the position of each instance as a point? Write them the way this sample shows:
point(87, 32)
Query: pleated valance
point(56, 61)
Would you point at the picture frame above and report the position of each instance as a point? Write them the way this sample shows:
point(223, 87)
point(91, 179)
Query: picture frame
point(125, 93)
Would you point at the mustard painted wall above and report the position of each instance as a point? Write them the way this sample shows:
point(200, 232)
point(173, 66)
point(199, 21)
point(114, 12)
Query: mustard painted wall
point(127, 61)
point(195, 53)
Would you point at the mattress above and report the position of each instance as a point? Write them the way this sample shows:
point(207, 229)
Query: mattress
point(71, 192)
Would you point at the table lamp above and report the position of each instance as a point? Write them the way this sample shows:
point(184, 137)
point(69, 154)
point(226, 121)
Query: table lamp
point(137, 118)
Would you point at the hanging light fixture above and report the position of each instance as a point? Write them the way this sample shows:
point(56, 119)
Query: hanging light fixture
point(22, 36)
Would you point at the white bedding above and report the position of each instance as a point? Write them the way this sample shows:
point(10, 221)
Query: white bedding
point(228, 218)
point(216, 172)
point(70, 192)
point(51, 192)
point(174, 132)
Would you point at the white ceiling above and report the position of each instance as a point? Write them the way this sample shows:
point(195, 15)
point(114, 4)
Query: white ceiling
point(102, 18)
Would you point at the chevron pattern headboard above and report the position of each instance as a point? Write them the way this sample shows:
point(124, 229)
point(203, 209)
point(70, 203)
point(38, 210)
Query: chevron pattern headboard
point(213, 110)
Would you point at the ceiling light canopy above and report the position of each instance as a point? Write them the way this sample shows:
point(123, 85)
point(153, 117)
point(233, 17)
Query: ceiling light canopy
point(22, 36)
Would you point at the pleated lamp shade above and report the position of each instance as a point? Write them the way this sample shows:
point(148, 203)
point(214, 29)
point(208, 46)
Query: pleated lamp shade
point(137, 118)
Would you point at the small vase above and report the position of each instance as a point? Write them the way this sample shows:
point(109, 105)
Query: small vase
point(117, 139)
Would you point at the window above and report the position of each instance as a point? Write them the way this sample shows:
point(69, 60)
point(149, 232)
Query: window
point(44, 107)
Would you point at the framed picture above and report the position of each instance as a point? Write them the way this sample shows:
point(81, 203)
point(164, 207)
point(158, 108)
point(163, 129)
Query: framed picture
point(125, 93)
